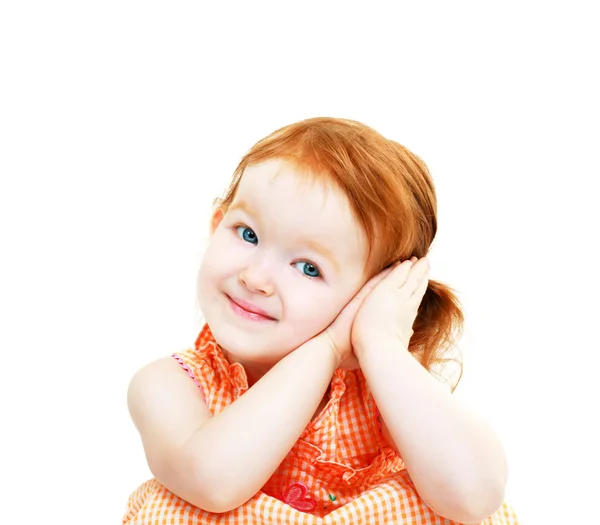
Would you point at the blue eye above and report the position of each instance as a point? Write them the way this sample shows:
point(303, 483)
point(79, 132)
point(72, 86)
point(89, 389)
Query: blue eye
point(247, 234)
point(310, 270)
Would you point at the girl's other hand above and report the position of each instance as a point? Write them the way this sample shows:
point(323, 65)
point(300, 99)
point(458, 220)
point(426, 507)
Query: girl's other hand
point(338, 333)
point(390, 309)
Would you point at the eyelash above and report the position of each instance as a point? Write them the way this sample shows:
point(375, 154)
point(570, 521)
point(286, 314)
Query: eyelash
point(238, 226)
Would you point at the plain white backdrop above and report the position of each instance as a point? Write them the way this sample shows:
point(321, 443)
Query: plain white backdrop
point(120, 122)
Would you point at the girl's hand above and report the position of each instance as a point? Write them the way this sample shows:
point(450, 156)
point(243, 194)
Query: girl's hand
point(390, 309)
point(338, 333)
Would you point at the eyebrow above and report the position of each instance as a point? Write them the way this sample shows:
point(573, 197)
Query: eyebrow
point(325, 252)
point(243, 205)
point(313, 245)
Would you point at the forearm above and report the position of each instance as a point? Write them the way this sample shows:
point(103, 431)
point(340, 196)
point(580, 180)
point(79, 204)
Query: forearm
point(455, 460)
point(237, 450)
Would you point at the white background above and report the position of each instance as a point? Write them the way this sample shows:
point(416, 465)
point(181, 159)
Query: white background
point(120, 122)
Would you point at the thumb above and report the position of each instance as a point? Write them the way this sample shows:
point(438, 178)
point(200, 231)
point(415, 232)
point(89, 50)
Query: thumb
point(372, 283)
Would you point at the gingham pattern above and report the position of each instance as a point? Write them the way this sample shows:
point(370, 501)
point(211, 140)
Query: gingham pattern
point(352, 476)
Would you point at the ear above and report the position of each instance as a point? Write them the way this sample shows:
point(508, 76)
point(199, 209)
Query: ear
point(216, 219)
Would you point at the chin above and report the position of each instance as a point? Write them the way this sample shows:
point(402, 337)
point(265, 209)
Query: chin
point(250, 347)
point(239, 342)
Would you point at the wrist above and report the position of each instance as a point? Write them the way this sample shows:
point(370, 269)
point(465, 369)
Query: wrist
point(366, 346)
point(325, 348)
point(328, 346)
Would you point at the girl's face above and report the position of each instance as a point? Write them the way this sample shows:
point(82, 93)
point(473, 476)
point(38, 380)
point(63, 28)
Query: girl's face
point(287, 249)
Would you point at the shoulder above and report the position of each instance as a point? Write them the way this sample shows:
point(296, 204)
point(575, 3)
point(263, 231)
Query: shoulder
point(164, 401)
point(167, 408)
point(158, 375)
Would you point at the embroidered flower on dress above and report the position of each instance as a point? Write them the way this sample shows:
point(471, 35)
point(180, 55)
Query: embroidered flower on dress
point(296, 496)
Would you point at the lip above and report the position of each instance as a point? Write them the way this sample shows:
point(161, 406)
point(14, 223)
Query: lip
point(248, 310)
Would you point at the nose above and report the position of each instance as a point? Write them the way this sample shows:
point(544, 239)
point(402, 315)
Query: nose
point(256, 278)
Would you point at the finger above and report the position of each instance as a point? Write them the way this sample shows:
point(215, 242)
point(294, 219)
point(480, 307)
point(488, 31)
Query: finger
point(415, 277)
point(370, 284)
point(422, 283)
point(400, 273)
point(374, 281)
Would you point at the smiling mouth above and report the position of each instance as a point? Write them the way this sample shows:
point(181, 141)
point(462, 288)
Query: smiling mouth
point(246, 314)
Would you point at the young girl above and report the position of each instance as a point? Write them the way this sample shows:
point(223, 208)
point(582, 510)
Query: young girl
point(309, 396)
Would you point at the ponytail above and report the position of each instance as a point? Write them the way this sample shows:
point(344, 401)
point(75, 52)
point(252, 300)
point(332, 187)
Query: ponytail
point(437, 327)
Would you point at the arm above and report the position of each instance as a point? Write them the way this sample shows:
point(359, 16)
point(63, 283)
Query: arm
point(217, 463)
point(454, 459)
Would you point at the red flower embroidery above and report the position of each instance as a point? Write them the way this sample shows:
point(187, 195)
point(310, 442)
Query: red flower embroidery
point(297, 496)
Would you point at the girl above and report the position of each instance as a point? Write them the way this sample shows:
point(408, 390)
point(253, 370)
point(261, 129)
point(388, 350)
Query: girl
point(309, 396)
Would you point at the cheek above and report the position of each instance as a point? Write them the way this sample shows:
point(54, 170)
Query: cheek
point(221, 253)
point(212, 268)
point(203, 281)
point(315, 308)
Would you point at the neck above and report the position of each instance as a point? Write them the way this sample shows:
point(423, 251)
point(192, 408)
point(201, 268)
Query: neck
point(254, 371)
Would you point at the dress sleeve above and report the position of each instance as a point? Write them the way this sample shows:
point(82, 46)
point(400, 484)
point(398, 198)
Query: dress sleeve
point(182, 358)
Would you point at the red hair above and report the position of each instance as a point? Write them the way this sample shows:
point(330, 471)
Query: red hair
point(391, 193)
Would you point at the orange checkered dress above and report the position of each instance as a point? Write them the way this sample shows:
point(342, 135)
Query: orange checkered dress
point(340, 471)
